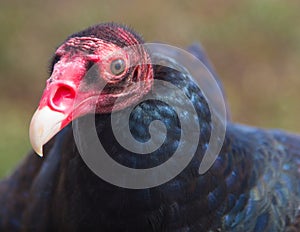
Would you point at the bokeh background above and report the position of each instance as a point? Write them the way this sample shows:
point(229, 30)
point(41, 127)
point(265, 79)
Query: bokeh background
point(254, 46)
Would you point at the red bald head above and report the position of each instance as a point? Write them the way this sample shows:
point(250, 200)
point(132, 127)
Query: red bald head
point(90, 70)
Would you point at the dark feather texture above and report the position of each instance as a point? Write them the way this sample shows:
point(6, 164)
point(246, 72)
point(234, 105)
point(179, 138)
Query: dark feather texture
point(252, 186)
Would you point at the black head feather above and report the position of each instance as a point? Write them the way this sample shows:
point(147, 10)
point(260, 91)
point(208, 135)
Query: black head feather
point(110, 32)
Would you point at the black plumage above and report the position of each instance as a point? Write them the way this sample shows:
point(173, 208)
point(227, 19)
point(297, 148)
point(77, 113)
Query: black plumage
point(252, 186)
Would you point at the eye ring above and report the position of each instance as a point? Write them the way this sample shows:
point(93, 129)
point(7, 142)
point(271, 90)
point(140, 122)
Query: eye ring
point(117, 66)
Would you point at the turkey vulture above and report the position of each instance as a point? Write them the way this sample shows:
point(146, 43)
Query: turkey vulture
point(253, 185)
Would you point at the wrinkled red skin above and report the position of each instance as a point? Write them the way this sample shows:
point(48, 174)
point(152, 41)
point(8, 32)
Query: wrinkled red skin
point(65, 90)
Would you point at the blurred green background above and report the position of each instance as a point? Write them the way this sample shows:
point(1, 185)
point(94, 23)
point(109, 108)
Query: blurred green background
point(254, 46)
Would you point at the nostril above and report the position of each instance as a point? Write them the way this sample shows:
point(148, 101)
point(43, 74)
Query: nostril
point(63, 98)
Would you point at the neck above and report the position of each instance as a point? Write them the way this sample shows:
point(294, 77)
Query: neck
point(143, 209)
point(173, 205)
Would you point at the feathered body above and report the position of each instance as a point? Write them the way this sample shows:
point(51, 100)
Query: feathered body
point(252, 186)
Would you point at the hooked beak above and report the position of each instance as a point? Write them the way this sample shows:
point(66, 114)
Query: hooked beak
point(55, 111)
point(62, 102)
point(45, 123)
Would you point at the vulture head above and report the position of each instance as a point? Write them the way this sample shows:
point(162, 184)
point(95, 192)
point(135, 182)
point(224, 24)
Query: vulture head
point(90, 70)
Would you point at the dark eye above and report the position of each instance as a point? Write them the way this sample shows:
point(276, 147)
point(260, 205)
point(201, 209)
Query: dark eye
point(117, 66)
